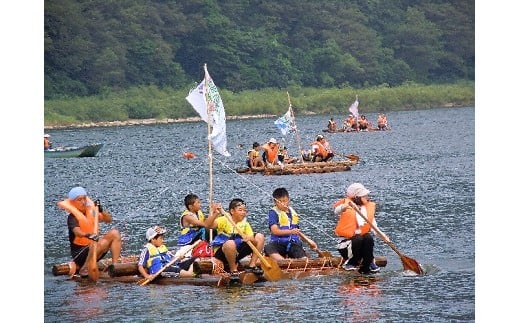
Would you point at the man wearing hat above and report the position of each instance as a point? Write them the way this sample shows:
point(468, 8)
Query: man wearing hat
point(82, 212)
point(321, 150)
point(47, 144)
point(357, 244)
point(271, 149)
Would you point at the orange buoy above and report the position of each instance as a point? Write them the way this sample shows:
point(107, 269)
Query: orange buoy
point(188, 155)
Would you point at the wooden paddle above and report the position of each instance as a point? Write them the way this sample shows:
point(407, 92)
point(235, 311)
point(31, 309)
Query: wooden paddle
point(272, 271)
point(93, 270)
point(145, 281)
point(322, 254)
point(351, 157)
point(408, 263)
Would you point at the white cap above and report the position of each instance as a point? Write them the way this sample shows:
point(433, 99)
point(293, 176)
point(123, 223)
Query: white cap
point(46, 135)
point(357, 189)
point(153, 231)
point(272, 140)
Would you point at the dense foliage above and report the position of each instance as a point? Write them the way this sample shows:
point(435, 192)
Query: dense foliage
point(152, 102)
point(98, 47)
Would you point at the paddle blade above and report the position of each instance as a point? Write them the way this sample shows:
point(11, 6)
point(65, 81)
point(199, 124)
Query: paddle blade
point(143, 281)
point(411, 264)
point(248, 278)
point(324, 254)
point(272, 271)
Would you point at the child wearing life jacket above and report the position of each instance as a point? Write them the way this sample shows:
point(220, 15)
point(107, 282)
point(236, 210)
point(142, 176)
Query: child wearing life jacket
point(156, 255)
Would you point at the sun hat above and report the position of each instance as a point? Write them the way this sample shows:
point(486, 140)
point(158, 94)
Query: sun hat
point(357, 189)
point(154, 231)
point(272, 141)
point(77, 191)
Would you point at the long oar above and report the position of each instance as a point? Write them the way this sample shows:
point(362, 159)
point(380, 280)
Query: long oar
point(145, 281)
point(272, 271)
point(322, 254)
point(93, 270)
point(408, 263)
point(351, 157)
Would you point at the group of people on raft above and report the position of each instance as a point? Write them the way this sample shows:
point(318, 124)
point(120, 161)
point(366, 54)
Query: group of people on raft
point(276, 154)
point(352, 123)
point(228, 237)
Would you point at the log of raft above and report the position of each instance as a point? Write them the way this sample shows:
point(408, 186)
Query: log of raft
point(128, 266)
point(305, 168)
point(213, 273)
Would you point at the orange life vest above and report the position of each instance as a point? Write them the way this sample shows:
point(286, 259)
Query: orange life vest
point(347, 223)
point(322, 150)
point(272, 153)
point(86, 221)
point(363, 122)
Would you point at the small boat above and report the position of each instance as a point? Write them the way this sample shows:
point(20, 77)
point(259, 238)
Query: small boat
point(212, 273)
point(304, 168)
point(65, 152)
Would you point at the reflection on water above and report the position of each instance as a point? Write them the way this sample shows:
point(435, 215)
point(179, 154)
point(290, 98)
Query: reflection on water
point(361, 294)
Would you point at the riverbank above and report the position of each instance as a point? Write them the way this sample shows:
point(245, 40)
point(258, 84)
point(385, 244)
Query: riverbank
point(152, 106)
point(146, 122)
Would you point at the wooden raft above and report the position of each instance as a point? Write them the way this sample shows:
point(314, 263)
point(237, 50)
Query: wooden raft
point(304, 168)
point(208, 266)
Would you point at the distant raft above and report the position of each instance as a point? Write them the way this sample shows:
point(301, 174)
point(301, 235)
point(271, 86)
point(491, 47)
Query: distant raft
point(304, 168)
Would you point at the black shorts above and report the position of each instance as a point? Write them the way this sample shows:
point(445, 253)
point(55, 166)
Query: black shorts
point(294, 250)
point(243, 250)
point(79, 255)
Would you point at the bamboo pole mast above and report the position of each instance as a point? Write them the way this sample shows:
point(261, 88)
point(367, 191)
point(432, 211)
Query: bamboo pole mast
point(210, 153)
point(295, 128)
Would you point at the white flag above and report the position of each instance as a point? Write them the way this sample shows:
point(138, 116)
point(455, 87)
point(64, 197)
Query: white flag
point(204, 98)
point(284, 122)
point(354, 108)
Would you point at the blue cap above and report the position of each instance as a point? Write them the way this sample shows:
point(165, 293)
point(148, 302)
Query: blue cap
point(77, 191)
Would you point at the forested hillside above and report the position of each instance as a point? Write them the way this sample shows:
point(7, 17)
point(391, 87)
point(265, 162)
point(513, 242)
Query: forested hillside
point(94, 47)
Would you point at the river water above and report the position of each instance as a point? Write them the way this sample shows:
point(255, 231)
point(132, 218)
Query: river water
point(421, 175)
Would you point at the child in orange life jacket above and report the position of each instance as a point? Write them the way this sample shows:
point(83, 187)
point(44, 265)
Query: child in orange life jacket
point(321, 150)
point(155, 256)
point(270, 154)
point(357, 244)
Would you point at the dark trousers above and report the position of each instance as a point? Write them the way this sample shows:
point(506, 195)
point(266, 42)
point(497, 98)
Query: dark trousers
point(362, 249)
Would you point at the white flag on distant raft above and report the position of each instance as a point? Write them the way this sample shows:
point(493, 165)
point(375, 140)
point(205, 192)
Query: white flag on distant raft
point(206, 97)
point(284, 122)
point(354, 108)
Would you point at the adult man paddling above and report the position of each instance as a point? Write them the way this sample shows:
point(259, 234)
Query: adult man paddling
point(81, 223)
